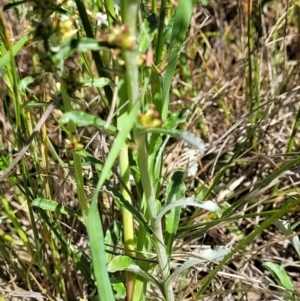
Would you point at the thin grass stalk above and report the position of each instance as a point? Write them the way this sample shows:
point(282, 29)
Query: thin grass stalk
point(58, 268)
point(96, 55)
point(76, 158)
point(45, 162)
point(254, 103)
point(110, 12)
point(249, 39)
point(291, 142)
point(19, 230)
point(28, 182)
point(160, 34)
point(256, 90)
point(11, 257)
point(37, 255)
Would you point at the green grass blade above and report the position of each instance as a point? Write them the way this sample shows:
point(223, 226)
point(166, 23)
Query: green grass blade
point(118, 144)
point(206, 255)
point(175, 191)
point(84, 119)
point(121, 263)
point(17, 225)
point(207, 205)
point(280, 275)
point(186, 136)
point(53, 206)
point(6, 58)
point(95, 232)
point(180, 27)
point(262, 184)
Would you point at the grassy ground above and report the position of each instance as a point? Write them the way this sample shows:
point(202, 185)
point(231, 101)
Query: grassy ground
point(228, 73)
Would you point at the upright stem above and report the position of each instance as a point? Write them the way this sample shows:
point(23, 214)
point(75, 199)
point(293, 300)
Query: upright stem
point(128, 229)
point(129, 12)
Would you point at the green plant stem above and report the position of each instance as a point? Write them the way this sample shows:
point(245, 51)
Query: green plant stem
point(129, 11)
point(127, 218)
point(156, 226)
point(110, 11)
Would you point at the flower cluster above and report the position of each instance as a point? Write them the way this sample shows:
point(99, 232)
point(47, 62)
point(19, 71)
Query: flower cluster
point(150, 118)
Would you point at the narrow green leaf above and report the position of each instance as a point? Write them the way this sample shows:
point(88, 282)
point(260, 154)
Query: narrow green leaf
point(70, 46)
point(186, 136)
point(125, 263)
point(264, 182)
point(25, 82)
point(181, 23)
point(207, 205)
point(35, 104)
point(5, 59)
point(157, 145)
point(156, 152)
point(112, 237)
point(175, 191)
point(96, 82)
point(79, 258)
point(120, 290)
point(204, 256)
point(280, 275)
point(245, 241)
point(95, 232)
point(116, 147)
point(53, 206)
point(10, 213)
point(85, 119)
